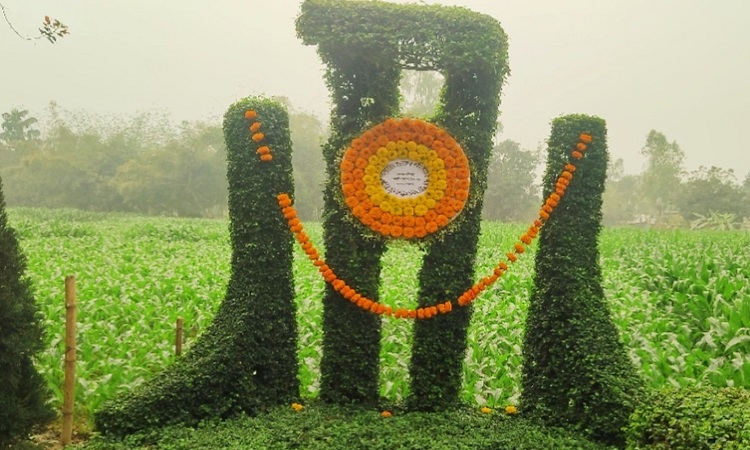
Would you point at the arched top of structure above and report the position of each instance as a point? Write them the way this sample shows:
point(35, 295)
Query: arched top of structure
point(416, 36)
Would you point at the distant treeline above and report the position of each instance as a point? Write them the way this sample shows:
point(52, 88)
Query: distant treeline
point(145, 164)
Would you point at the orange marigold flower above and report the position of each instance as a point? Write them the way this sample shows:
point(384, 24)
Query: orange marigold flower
point(543, 214)
point(585, 137)
point(266, 157)
point(255, 127)
point(570, 167)
point(263, 150)
point(526, 239)
point(257, 137)
point(385, 414)
point(284, 200)
point(511, 257)
point(576, 154)
point(567, 175)
point(519, 247)
point(581, 147)
point(250, 114)
point(547, 208)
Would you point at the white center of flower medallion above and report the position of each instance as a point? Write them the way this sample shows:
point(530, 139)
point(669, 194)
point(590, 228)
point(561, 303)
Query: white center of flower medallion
point(404, 178)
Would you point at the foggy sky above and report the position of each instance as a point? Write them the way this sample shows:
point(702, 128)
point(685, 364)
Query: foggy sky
point(680, 67)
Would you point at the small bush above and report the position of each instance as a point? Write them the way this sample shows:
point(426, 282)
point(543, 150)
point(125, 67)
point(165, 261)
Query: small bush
point(692, 419)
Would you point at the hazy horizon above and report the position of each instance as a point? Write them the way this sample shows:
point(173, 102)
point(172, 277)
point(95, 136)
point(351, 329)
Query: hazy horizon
point(675, 66)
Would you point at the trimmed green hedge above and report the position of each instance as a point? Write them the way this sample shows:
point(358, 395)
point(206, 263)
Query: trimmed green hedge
point(331, 427)
point(23, 391)
point(366, 45)
point(697, 418)
point(247, 358)
point(576, 372)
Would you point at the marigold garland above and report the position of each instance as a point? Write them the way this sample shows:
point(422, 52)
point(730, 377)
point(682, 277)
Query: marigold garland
point(375, 167)
point(426, 312)
point(264, 152)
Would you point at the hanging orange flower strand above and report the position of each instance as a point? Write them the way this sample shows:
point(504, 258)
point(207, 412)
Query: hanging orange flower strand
point(257, 136)
point(349, 293)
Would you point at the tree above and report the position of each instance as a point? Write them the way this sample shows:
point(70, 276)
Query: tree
point(711, 190)
point(660, 182)
point(23, 391)
point(576, 371)
point(309, 166)
point(620, 199)
point(420, 91)
point(51, 29)
point(512, 194)
point(186, 177)
point(18, 127)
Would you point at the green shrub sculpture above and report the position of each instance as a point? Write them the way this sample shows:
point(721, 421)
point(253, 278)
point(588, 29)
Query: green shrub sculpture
point(365, 46)
point(23, 391)
point(247, 358)
point(576, 372)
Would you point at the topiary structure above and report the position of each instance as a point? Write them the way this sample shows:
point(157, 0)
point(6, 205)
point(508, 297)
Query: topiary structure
point(365, 46)
point(247, 358)
point(576, 371)
point(23, 392)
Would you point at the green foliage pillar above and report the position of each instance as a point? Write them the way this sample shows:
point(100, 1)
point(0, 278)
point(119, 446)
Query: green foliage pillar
point(247, 358)
point(364, 86)
point(576, 371)
point(23, 392)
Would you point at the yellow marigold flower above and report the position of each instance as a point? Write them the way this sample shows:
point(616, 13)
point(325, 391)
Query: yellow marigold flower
point(485, 410)
point(510, 409)
point(297, 407)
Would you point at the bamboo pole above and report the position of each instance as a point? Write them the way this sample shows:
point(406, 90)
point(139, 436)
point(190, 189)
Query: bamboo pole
point(69, 388)
point(178, 336)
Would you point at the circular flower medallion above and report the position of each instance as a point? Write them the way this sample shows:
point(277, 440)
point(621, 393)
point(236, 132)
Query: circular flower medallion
point(405, 178)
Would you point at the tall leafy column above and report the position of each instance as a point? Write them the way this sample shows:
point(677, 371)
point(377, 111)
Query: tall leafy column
point(247, 358)
point(468, 110)
point(364, 91)
point(576, 371)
